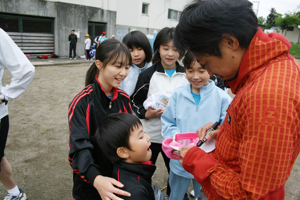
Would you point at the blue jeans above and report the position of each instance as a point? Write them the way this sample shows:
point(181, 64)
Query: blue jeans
point(179, 186)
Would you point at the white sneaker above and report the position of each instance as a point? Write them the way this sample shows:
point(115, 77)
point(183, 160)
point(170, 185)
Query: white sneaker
point(70, 58)
point(21, 196)
point(192, 193)
point(74, 58)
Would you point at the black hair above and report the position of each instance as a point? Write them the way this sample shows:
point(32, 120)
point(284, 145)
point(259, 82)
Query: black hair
point(188, 60)
point(108, 52)
point(138, 39)
point(113, 132)
point(202, 24)
point(164, 36)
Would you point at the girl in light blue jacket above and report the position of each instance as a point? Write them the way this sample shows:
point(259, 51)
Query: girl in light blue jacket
point(190, 107)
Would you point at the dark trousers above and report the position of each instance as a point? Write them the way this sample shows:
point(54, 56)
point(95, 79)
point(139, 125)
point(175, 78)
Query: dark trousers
point(156, 148)
point(3, 135)
point(72, 48)
point(87, 54)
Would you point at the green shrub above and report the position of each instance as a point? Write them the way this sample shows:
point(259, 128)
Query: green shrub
point(295, 50)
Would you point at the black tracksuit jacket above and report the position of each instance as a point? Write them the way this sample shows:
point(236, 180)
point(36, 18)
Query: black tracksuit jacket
point(87, 160)
point(136, 179)
point(73, 39)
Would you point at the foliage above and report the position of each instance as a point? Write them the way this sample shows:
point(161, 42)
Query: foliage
point(288, 20)
point(261, 20)
point(295, 50)
point(271, 18)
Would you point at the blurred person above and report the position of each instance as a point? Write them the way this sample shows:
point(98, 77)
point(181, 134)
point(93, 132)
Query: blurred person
point(22, 71)
point(73, 42)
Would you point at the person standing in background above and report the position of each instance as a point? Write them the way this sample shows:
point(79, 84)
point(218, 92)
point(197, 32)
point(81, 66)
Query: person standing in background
point(87, 46)
point(73, 42)
point(22, 71)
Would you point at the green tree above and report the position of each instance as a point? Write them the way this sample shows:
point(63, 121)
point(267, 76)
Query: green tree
point(271, 18)
point(261, 20)
point(288, 20)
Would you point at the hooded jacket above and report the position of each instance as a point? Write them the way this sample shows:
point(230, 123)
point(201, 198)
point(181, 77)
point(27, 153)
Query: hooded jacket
point(136, 179)
point(259, 140)
point(87, 159)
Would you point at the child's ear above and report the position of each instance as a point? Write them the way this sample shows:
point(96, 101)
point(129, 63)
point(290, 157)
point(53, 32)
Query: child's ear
point(122, 153)
point(98, 64)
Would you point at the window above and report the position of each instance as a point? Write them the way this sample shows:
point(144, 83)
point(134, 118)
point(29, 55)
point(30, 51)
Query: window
point(145, 8)
point(26, 24)
point(174, 14)
point(9, 24)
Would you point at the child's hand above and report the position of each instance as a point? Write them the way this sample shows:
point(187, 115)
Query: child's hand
point(106, 189)
point(151, 113)
point(201, 131)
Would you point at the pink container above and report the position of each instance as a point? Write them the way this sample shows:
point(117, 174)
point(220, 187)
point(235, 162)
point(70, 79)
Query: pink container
point(179, 140)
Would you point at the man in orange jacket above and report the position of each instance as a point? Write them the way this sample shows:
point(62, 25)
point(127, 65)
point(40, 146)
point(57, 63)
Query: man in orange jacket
point(259, 140)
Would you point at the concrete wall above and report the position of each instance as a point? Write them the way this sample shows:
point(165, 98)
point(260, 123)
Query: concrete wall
point(66, 17)
point(292, 36)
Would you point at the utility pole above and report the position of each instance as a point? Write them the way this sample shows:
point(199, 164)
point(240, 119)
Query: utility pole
point(254, 3)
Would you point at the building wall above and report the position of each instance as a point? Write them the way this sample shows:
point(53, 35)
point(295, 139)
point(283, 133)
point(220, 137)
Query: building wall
point(292, 36)
point(66, 17)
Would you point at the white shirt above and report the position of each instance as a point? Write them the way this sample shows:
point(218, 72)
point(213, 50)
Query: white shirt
point(87, 43)
point(22, 71)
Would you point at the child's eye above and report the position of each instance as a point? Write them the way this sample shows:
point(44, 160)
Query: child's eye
point(140, 49)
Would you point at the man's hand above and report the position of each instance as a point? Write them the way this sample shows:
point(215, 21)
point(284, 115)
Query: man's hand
point(183, 151)
point(201, 131)
point(106, 189)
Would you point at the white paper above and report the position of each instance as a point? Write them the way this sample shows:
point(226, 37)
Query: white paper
point(209, 145)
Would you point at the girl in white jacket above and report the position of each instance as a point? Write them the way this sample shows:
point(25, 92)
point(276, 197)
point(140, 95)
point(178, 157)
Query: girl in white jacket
point(141, 53)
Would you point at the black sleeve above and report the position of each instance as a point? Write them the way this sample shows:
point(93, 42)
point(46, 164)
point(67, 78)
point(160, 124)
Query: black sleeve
point(69, 37)
point(76, 38)
point(137, 193)
point(80, 155)
point(221, 84)
point(140, 94)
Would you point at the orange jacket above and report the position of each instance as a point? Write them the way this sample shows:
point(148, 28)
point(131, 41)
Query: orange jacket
point(259, 140)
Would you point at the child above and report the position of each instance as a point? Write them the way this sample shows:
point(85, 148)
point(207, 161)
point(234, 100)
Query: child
point(124, 142)
point(100, 97)
point(141, 53)
point(163, 77)
point(190, 107)
point(87, 43)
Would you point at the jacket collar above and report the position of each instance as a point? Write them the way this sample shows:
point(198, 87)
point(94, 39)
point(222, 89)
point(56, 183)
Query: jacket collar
point(203, 90)
point(144, 170)
point(262, 50)
point(115, 90)
point(160, 68)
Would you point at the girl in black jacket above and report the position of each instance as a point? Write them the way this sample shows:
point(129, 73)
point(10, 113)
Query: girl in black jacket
point(91, 168)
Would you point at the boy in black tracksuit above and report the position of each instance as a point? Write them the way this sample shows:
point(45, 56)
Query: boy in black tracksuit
point(122, 139)
point(85, 111)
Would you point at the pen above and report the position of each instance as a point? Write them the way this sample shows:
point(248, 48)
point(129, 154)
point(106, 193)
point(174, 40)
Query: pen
point(216, 124)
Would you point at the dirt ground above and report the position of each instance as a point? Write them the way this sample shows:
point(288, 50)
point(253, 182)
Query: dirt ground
point(37, 145)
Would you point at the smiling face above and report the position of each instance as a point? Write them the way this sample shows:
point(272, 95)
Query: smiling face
point(138, 56)
point(168, 55)
point(227, 66)
point(112, 75)
point(139, 143)
point(197, 76)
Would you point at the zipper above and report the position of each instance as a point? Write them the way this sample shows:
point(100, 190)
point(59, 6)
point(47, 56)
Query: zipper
point(109, 107)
